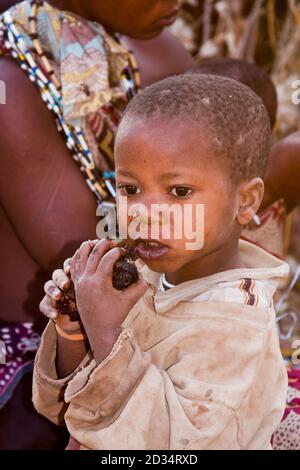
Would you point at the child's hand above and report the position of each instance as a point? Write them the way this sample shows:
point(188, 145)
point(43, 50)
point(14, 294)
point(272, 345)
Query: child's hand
point(59, 285)
point(54, 289)
point(102, 308)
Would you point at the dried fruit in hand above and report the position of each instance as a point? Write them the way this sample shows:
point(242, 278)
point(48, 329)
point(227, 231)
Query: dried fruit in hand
point(125, 272)
point(67, 305)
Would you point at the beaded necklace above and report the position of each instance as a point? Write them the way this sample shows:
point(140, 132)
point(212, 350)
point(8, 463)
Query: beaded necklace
point(102, 185)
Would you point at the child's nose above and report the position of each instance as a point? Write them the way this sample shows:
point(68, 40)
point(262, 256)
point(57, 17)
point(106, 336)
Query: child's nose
point(151, 214)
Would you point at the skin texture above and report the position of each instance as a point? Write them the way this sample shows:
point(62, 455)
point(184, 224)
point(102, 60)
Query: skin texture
point(167, 51)
point(227, 207)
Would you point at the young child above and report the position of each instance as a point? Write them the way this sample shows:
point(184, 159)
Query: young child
point(188, 357)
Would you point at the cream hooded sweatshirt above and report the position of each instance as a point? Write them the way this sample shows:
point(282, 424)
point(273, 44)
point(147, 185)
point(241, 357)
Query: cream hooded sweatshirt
point(195, 367)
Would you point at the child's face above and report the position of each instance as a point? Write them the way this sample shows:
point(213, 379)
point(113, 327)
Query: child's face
point(159, 161)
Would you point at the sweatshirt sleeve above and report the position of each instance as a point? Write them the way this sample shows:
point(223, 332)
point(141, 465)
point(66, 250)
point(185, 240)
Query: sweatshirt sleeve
point(48, 390)
point(221, 397)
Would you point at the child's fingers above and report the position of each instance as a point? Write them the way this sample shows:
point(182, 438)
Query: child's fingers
point(79, 260)
point(61, 280)
point(67, 265)
point(106, 265)
point(137, 289)
point(72, 265)
point(52, 290)
point(103, 246)
point(94, 242)
point(84, 252)
point(48, 308)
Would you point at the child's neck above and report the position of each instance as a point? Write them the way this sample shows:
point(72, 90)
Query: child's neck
point(224, 258)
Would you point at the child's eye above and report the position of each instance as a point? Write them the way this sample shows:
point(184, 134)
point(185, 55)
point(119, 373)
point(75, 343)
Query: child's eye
point(181, 191)
point(129, 190)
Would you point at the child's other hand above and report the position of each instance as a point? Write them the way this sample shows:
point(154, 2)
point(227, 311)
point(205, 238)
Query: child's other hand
point(102, 308)
point(54, 289)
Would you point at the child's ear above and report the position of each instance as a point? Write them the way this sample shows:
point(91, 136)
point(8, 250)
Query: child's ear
point(250, 197)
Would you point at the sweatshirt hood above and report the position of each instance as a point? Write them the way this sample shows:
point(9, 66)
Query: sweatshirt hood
point(260, 265)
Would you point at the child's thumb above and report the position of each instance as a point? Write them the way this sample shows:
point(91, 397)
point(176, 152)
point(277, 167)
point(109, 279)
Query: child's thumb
point(137, 289)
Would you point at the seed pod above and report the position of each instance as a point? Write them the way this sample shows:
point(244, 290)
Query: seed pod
point(125, 272)
point(67, 305)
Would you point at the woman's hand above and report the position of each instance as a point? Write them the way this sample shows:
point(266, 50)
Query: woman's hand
point(102, 308)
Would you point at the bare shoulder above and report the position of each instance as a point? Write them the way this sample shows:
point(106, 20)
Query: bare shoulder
point(167, 44)
point(289, 144)
point(295, 136)
point(160, 57)
point(282, 179)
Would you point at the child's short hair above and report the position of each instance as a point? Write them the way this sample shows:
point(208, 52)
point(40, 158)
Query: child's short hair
point(249, 74)
point(233, 118)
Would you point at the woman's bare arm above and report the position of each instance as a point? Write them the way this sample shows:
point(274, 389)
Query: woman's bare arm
point(282, 178)
point(41, 189)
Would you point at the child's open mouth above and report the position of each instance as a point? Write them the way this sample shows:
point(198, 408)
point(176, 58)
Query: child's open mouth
point(150, 249)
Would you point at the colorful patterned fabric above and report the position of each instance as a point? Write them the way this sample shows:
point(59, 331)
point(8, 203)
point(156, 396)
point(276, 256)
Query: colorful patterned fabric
point(92, 77)
point(21, 343)
point(287, 435)
point(269, 233)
